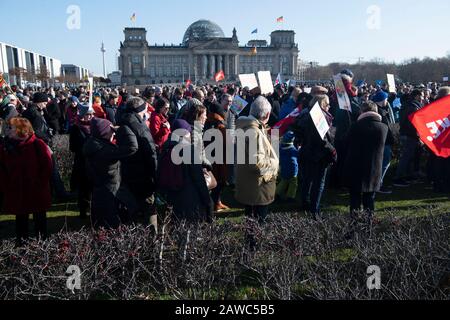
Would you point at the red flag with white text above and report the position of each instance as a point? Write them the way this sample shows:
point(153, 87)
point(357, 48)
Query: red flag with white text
point(433, 125)
point(219, 76)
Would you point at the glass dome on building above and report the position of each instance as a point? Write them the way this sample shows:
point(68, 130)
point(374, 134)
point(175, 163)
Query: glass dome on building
point(203, 30)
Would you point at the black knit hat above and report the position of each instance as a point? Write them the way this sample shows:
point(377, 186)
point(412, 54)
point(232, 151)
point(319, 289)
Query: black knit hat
point(39, 97)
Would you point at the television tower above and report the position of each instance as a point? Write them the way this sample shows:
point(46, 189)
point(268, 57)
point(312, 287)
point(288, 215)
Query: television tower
point(103, 50)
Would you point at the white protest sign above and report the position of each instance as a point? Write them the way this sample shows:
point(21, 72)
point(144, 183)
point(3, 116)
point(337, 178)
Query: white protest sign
point(341, 93)
point(91, 91)
point(445, 79)
point(391, 82)
point(319, 120)
point(238, 104)
point(248, 80)
point(265, 82)
point(307, 90)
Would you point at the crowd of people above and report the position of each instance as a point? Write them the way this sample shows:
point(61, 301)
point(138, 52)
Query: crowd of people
point(124, 141)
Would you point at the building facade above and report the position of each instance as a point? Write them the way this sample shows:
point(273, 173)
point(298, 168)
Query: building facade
point(24, 67)
point(73, 72)
point(204, 51)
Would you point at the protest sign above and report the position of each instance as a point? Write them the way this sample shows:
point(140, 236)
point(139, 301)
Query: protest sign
point(238, 104)
point(265, 82)
point(445, 79)
point(391, 82)
point(341, 93)
point(319, 120)
point(91, 91)
point(433, 125)
point(248, 80)
point(307, 90)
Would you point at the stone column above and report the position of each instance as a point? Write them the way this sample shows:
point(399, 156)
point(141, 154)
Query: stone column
point(204, 66)
point(236, 64)
point(220, 60)
point(130, 71)
point(212, 66)
point(227, 66)
point(144, 65)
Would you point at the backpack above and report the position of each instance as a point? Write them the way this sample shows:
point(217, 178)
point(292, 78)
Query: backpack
point(170, 175)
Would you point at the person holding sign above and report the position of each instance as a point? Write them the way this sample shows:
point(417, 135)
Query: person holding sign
point(364, 162)
point(316, 155)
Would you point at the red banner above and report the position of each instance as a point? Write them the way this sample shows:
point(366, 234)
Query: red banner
point(219, 76)
point(433, 125)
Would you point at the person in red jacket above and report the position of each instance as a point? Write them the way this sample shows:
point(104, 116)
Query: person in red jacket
point(159, 123)
point(98, 108)
point(25, 173)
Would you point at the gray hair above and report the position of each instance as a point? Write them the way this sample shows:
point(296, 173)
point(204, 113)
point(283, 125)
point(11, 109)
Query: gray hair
point(260, 108)
point(369, 106)
point(443, 92)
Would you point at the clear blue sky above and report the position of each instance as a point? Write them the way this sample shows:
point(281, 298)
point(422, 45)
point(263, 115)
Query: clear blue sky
point(327, 31)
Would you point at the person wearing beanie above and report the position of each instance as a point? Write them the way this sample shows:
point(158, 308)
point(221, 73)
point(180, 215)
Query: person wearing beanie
point(288, 185)
point(380, 98)
point(72, 112)
point(216, 120)
point(78, 135)
point(344, 119)
point(35, 114)
point(139, 171)
point(184, 185)
point(8, 108)
point(103, 168)
point(409, 141)
point(159, 123)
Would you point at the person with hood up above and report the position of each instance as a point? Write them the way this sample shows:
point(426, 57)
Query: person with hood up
point(103, 167)
point(78, 135)
point(139, 170)
point(287, 188)
point(186, 187)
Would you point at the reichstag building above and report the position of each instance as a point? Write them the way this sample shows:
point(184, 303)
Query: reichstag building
point(205, 50)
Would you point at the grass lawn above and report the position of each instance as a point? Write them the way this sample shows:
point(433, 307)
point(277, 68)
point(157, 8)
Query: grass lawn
point(416, 200)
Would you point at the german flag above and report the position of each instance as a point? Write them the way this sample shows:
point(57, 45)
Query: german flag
point(280, 19)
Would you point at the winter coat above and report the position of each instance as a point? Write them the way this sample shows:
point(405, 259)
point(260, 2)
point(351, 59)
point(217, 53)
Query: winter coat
point(77, 139)
point(193, 203)
point(344, 119)
point(103, 167)
point(314, 148)
point(406, 127)
point(111, 112)
point(36, 117)
point(387, 117)
point(160, 133)
point(287, 108)
point(216, 121)
point(255, 179)
point(52, 115)
point(139, 170)
point(363, 165)
point(98, 109)
point(72, 115)
point(288, 161)
point(25, 173)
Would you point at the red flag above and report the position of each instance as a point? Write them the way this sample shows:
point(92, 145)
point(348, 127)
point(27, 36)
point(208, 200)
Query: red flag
point(433, 125)
point(219, 76)
point(2, 82)
point(188, 83)
point(280, 19)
